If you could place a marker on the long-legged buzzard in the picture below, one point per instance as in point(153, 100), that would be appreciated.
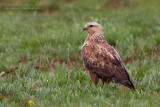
point(101, 61)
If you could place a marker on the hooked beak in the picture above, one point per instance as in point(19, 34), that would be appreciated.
point(85, 28)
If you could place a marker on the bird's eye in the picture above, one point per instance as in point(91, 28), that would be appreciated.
point(91, 26)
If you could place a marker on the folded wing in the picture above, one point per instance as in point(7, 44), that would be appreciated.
point(104, 61)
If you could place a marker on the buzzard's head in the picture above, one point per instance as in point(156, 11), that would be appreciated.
point(93, 28)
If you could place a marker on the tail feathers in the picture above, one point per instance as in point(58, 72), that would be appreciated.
point(123, 79)
point(127, 85)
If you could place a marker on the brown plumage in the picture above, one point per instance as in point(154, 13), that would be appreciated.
point(101, 61)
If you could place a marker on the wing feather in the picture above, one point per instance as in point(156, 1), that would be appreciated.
point(106, 63)
point(121, 75)
point(99, 60)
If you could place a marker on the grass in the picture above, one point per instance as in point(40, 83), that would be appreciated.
point(28, 38)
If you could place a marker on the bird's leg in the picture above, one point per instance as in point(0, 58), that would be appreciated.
point(102, 83)
point(94, 78)
point(108, 82)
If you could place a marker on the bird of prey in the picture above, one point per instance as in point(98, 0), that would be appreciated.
point(101, 61)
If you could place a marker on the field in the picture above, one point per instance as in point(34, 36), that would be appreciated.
point(40, 54)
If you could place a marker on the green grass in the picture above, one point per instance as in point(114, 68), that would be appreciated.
point(134, 31)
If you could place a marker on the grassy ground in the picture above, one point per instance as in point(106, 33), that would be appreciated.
point(31, 41)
